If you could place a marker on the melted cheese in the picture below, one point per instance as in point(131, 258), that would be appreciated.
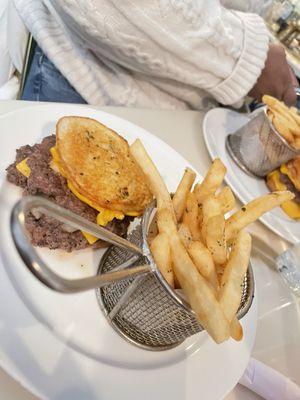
point(290, 207)
point(108, 215)
point(23, 168)
point(90, 238)
point(284, 170)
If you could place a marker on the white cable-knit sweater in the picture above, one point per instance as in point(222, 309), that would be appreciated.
point(159, 53)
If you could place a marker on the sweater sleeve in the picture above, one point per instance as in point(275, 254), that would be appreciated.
point(195, 42)
point(260, 7)
point(202, 44)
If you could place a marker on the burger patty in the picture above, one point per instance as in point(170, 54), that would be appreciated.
point(290, 186)
point(44, 181)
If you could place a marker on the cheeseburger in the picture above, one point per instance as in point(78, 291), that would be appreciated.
point(86, 168)
point(287, 177)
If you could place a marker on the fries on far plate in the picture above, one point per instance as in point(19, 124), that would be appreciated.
point(285, 120)
point(198, 247)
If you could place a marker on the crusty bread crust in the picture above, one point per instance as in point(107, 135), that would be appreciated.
point(98, 163)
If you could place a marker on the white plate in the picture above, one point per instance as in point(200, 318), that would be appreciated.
point(217, 124)
point(61, 346)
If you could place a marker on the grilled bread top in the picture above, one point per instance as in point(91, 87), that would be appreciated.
point(97, 161)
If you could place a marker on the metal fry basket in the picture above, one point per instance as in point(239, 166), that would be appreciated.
point(133, 295)
point(145, 311)
point(258, 148)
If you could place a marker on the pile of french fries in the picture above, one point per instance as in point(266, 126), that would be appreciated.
point(198, 247)
point(285, 120)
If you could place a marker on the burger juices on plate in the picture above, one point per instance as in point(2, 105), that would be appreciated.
point(287, 177)
point(86, 168)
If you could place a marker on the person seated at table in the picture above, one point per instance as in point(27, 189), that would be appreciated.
point(168, 54)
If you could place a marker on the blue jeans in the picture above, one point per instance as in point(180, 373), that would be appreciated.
point(45, 83)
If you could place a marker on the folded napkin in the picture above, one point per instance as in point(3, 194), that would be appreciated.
point(268, 383)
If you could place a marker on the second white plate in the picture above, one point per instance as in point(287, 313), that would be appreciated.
point(217, 124)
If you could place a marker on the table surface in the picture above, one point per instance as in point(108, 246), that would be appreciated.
point(277, 342)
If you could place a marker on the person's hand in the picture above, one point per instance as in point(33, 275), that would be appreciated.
point(277, 78)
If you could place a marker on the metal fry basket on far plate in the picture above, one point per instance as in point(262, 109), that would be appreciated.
point(257, 148)
point(132, 293)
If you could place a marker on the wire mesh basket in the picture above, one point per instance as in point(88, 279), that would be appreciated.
point(144, 312)
point(258, 148)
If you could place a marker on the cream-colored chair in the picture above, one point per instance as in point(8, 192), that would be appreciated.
point(30, 47)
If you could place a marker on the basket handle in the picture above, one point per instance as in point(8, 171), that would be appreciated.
point(41, 270)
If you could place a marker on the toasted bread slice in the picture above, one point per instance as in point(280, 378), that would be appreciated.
point(97, 161)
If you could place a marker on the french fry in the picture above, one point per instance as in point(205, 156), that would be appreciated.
point(185, 235)
point(226, 200)
point(276, 106)
point(156, 183)
point(202, 259)
point(254, 210)
point(210, 207)
point(295, 116)
point(190, 216)
point(216, 239)
point(232, 279)
point(270, 115)
point(152, 231)
point(161, 252)
point(286, 120)
point(180, 196)
point(281, 125)
point(219, 271)
point(204, 262)
point(269, 100)
point(165, 223)
point(211, 182)
point(283, 110)
point(296, 133)
point(200, 294)
point(194, 257)
point(236, 329)
point(297, 143)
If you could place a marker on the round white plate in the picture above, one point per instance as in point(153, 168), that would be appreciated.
point(61, 346)
point(217, 124)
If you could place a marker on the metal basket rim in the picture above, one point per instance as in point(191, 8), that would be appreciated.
point(273, 129)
